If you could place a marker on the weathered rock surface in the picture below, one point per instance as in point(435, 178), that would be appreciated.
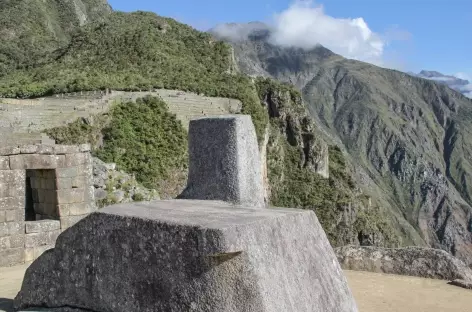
point(412, 261)
point(114, 186)
point(298, 128)
point(190, 256)
point(224, 161)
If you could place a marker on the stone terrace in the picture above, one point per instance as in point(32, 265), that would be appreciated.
point(21, 121)
point(43, 191)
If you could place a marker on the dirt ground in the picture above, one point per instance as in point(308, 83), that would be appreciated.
point(393, 293)
point(373, 292)
point(10, 284)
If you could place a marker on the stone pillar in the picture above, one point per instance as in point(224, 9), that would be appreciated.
point(224, 161)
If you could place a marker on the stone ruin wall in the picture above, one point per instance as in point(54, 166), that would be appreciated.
point(44, 189)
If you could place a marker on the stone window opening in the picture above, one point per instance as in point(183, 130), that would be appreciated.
point(41, 195)
point(44, 190)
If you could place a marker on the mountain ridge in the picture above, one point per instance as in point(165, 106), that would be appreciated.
point(458, 84)
point(380, 117)
point(143, 51)
point(407, 135)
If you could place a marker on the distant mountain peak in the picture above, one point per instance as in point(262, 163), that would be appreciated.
point(453, 82)
point(430, 73)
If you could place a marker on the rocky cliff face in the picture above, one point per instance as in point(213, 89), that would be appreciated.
point(302, 171)
point(284, 106)
point(408, 137)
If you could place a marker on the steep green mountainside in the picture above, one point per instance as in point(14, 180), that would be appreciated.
point(137, 51)
point(140, 51)
point(408, 137)
point(295, 152)
point(29, 29)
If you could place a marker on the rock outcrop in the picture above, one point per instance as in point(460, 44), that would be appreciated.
point(190, 255)
point(301, 171)
point(114, 186)
point(183, 255)
point(284, 104)
point(412, 261)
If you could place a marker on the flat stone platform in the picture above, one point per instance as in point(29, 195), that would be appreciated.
point(202, 213)
point(186, 255)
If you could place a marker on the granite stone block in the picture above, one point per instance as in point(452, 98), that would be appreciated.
point(67, 172)
point(42, 226)
point(64, 183)
point(66, 149)
point(9, 203)
point(64, 210)
point(79, 209)
point(29, 149)
point(18, 241)
point(4, 163)
point(5, 242)
point(9, 150)
point(33, 161)
point(41, 239)
point(11, 189)
point(224, 161)
point(14, 215)
point(75, 159)
point(9, 176)
point(11, 257)
point(79, 182)
point(46, 149)
point(199, 256)
point(70, 196)
point(12, 228)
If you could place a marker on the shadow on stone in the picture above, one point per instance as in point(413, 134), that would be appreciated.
point(6, 305)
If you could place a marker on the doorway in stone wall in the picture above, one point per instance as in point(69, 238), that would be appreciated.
point(41, 195)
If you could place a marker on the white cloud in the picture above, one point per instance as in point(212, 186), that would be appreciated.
point(466, 89)
point(305, 25)
point(463, 76)
point(237, 32)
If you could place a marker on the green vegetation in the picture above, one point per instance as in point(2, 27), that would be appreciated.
point(31, 29)
point(293, 185)
point(145, 139)
point(125, 186)
point(80, 131)
point(141, 137)
point(138, 51)
point(142, 51)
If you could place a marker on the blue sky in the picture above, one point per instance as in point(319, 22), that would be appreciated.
point(409, 35)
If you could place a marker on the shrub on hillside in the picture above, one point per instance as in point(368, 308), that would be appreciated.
point(144, 138)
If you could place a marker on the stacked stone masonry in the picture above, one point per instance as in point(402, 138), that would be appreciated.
point(44, 189)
